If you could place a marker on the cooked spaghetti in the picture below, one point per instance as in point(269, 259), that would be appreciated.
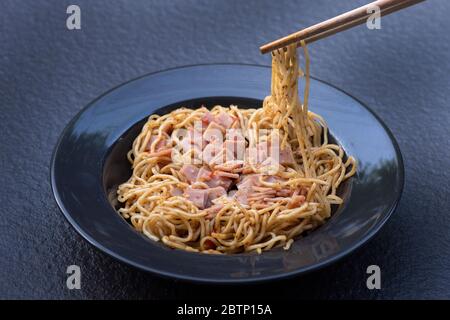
point(273, 177)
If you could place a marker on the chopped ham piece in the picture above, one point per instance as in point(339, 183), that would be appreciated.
point(191, 140)
point(258, 153)
point(196, 136)
point(187, 145)
point(218, 181)
point(190, 172)
point(224, 119)
point(226, 174)
point(247, 181)
point(207, 118)
point(204, 174)
point(214, 132)
point(226, 156)
point(198, 196)
point(235, 135)
point(242, 196)
point(202, 198)
point(245, 187)
point(235, 148)
point(286, 156)
point(263, 150)
point(210, 152)
point(215, 154)
point(215, 193)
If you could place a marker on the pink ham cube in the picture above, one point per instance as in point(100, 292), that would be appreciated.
point(199, 197)
point(190, 172)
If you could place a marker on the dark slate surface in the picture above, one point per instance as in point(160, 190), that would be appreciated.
point(49, 73)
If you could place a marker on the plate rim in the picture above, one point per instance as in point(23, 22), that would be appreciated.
point(258, 279)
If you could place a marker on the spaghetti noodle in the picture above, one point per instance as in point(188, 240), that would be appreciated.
point(202, 201)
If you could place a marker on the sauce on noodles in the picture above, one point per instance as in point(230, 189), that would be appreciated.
point(232, 180)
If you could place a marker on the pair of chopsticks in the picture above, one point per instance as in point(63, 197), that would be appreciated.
point(339, 23)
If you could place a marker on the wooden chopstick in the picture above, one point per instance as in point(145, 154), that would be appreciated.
point(337, 24)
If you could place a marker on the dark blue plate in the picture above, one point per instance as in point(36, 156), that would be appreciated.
point(90, 161)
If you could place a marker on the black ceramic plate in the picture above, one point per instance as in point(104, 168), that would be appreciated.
point(90, 161)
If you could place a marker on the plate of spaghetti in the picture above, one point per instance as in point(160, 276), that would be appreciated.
point(228, 173)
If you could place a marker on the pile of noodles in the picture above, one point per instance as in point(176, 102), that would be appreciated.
point(320, 167)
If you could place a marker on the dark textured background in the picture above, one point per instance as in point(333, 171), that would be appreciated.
point(49, 73)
